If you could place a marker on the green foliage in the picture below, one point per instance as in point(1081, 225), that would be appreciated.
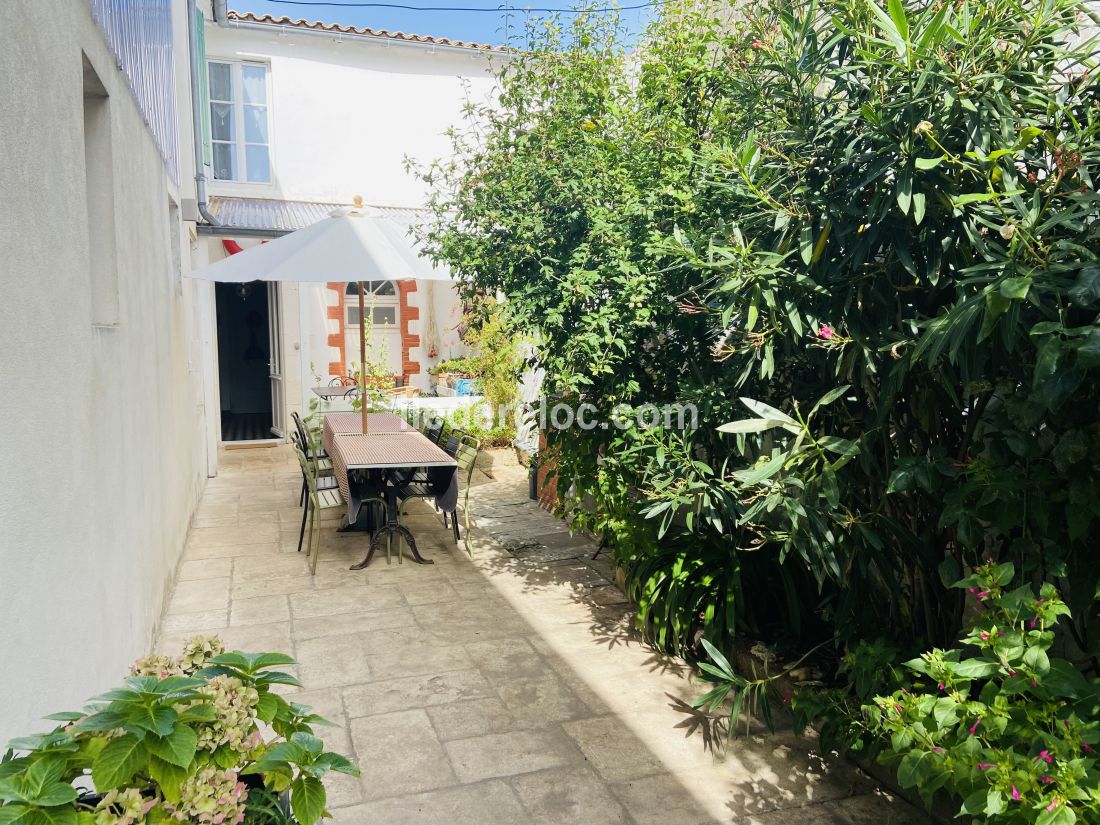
point(170, 744)
point(496, 362)
point(478, 421)
point(465, 366)
point(999, 723)
point(892, 209)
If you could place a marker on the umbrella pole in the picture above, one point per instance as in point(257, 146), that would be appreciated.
point(362, 357)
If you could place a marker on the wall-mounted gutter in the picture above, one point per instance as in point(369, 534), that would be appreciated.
point(196, 112)
point(222, 231)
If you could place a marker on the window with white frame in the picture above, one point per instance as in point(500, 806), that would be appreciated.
point(379, 302)
point(240, 134)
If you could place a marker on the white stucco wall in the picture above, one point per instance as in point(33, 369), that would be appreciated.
point(346, 112)
point(102, 446)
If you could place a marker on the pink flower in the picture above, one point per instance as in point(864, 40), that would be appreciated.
point(1045, 779)
point(1052, 805)
point(985, 637)
point(974, 727)
point(757, 44)
point(1086, 747)
point(1015, 793)
point(984, 766)
point(825, 331)
point(1044, 754)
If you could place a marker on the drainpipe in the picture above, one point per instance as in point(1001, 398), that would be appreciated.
point(196, 112)
point(221, 13)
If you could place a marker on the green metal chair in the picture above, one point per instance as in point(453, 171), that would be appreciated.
point(465, 450)
point(318, 499)
point(466, 456)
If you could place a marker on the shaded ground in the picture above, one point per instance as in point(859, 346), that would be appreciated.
point(499, 690)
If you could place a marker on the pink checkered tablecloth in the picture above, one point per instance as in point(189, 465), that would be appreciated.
point(391, 443)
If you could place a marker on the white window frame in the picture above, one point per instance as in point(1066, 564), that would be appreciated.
point(240, 144)
point(372, 301)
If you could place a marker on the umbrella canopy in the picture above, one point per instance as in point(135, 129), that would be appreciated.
point(349, 245)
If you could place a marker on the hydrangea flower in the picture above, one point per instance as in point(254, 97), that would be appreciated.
point(157, 665)
point(211, 797)
point(124, 806)
point(235, 723)
point(198, 651)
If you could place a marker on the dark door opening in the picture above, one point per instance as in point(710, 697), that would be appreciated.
point(244, 361)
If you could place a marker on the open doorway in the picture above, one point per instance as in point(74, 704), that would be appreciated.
point(245, 362)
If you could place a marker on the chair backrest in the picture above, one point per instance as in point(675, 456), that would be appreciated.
point(300, 427)
point(433, 431)
point(466, 455)
point(309, 471)
point(451, 442)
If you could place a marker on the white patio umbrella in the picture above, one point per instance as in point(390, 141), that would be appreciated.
point(349, 245)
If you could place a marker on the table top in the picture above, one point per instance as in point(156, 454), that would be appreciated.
point(388, 451)
point(379, 423)
point(334, 392)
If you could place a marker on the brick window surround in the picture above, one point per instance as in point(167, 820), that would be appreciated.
point(408, 313)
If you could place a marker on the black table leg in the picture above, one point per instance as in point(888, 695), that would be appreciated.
point(392, 528)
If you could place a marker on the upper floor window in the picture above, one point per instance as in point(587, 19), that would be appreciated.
point(239, 121)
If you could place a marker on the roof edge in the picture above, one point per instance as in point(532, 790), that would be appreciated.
point(319, 26)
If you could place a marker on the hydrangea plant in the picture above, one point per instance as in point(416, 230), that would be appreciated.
point(200, 738)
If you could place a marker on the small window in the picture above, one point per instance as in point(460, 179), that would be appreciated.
point(239, 121)
point(379, 300)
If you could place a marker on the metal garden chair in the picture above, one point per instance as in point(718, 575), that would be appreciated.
point(319, 499)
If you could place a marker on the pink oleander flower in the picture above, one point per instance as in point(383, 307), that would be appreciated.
point(1046, 779)
point(984, 766)
point(1044, 754)
point(825, 331)
point(1052, 806)
point(974, 727)
point(1015, 793)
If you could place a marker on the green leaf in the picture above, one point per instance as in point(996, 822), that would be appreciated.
point(1061, 814)
point(889, 28)
point(307, 799)
point(766, 411)
point(168, 777)
point(1015, 289)
point(925, 164)
point(751, 425)
point(1036, 659)
point(336, 762)
point(178, 747)
point(1086, 290)
point(975, 668)
point(118, 762)
point(1088, 353)
point(897, 15)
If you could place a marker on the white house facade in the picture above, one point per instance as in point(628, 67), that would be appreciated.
point(300, 118)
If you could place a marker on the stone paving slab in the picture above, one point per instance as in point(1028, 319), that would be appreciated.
point(503, 689)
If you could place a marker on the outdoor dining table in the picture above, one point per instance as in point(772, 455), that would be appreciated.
point(390, 445)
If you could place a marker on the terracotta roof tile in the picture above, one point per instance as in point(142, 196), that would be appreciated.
point(249, 17)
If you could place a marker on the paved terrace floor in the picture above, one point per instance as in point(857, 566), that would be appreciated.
point(498, 690)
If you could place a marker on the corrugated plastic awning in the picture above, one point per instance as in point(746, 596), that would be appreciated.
point(270, 217)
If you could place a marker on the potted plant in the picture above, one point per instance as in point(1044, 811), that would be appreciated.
point(200, 738)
